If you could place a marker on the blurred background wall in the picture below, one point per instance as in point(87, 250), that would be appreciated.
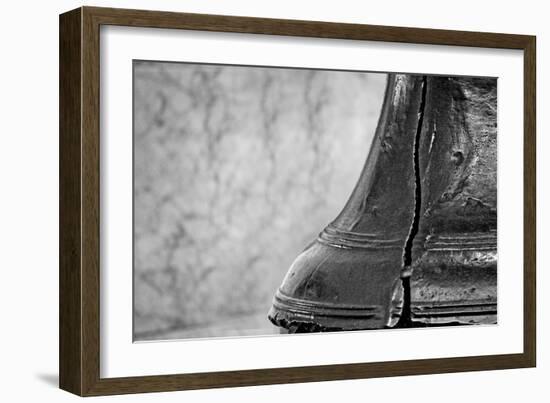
point(236, 170)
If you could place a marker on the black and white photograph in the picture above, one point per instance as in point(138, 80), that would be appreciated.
point(275, 200)
point(248, 202)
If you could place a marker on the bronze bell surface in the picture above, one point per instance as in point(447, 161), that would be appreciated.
point(349, 277)
point(415, 244)
point(454, 258)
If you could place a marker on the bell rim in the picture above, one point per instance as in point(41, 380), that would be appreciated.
point(445, 312)
point(286, 311)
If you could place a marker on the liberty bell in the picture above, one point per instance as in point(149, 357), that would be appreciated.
point(416, 242)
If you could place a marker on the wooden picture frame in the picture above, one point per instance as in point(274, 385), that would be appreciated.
point(79, 348)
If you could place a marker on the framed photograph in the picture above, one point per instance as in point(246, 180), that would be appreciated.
point(249, 201)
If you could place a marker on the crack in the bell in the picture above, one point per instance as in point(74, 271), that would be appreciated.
point(405, 319)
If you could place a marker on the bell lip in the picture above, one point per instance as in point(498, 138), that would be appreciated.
point(461, 312)
point(287, 310)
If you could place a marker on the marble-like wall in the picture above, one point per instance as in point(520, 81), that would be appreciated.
point(236, 170)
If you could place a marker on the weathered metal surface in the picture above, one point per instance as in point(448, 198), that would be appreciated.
point(349, 277)
point(454, 271)
point(423, 211)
